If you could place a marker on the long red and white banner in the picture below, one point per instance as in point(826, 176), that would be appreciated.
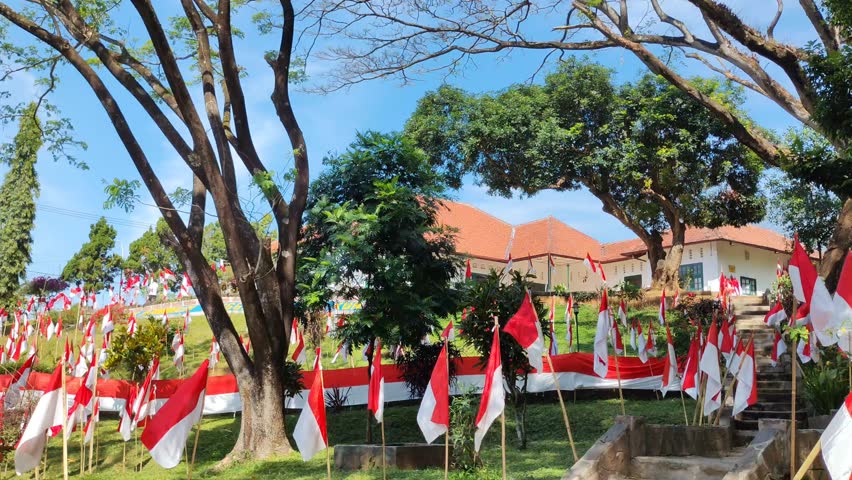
point(574, 371)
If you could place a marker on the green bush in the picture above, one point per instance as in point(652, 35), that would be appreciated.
point(826, 384)
point(417, 364)
point(129, 357)
point(463, 411)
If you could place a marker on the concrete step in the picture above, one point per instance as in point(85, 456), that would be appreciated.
point(742, 301)
point(752, 414)
point(681, 468)
point(752, 423)
point(774, 384)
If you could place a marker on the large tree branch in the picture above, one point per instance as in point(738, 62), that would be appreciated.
point(220, 322)
point(829, 35)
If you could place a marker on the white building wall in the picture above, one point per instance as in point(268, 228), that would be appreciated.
point(746, 261)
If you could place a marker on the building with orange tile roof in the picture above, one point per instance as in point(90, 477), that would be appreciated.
point(750, 253)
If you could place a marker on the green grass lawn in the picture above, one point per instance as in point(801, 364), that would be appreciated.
point(546, 457)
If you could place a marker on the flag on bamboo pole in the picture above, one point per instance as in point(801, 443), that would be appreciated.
point(12, 396)
point(214, 353)
point(310, 433)
point(835, 441)
point(525, 328)
point(468, 273)
point(662, 312)
point(709, 365)
point(131, 325)
point(692, 374)
point(433, 417)
point(89, 429)
point(809, 287)
point(376, 390)
point(48, 413)
point(299, 355)
point(493, 398)
point(449, 332)
point(642, 343)
point(670, 365)
point(589, 263)
point(622, 313)
point(601, 353)
point(745, 394)
point(166, 432)
point(775, 315)
point(779, 347)
point(843, 306)
point(569, 327)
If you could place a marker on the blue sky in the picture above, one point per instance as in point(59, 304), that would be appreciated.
point(329, 123)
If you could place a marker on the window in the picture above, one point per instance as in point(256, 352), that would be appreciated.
point(748, 285)
point(632, 267)
point(689, 252)
point(692, 276)
point(747, 255)
point(701, 252)
point(635, 280)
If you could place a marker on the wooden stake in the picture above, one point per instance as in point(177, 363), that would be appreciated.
point(328, 462)
point(384, 461)
point(124, 459)
point(793, 362)
point(562, 404)
point(618, 376)
point(683, 403)
point(94, 425)
point(503, 440)
point(64, 426)
point(82, 445)
point(447, 433)
point(194, 450)
point(812, 456)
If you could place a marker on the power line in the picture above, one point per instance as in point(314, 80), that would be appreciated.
point(67, 212)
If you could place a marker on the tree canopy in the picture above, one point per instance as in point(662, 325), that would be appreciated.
point(17, 206)
point(95, 264)
point(656, 159)
point(371, 234)
point(805, 209)
point(150, 253)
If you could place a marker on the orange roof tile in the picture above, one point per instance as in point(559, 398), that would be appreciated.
point(483, 235)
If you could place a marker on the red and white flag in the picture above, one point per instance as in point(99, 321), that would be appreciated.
point(843, 306)
point(622, 313)
point(166, 432)
point(468, 273)
point(299, 355)
point(165, 317)
point(809, 288)
point(125, 416)
point(726, 346)
point(779, 347)
point(187, 319)
point(569, 327)
point(214, 353)
point(82, 403)
point(12, 396)
point(48, 413)
point(692, 374)
point(775, 315)
point(676, 298)
point(651, 344)
point(180, 351)
point(642, 343)
point(131, 325)
point(589, 263)
point(617, 343)
point(433, 417)
point(601, 352)
point(670, 365)
point(662, 312)
point(89, 429)
point(185, 286)
point(376, 390)
point(509, 263)
point(745, 394)
point(310, 433)
point(493, 399)
point(526, 329)
point(835, 441)
point(736, 359)
point(167, 275)
point(449, 332)
point(530, 266)
point(710, 365)
point(107, 325)
point(143, 397)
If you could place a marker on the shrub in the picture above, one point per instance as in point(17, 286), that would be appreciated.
point(825, 382)
point(463, 411)
point(336, 398)
point(417, 364)
point(130, 357)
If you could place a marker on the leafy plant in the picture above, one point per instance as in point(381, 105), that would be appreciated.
point(561, 290)
point(463, 411)
point(293, 379)
point(492, 297)
point(42, 285)
point(417, 363)
point(130, 357)
point(336, 398)
point(629, 291)
point(826, 384)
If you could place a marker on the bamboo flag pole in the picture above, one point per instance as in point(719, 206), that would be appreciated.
point(731, 388)
point(503, 440)
point(194, 450)
point(562, 404)
point(806, 465)
point(384, 459)
point(64, 426)
point(94, 425)
point(447, 433)
point(327, 446)
point(793, 363)
point(618, 376)
point(683, 403)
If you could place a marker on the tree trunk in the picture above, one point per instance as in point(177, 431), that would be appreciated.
point(667, 269)
point(262, 427)
point(838, 247)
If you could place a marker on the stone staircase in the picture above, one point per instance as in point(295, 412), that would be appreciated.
point(773, 383)
point(679, 468)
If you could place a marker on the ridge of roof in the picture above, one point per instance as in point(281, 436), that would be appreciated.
point(473, 207)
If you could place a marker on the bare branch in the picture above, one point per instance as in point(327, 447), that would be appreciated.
point(727, 73)
point(770, 31)
point(829, 35)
